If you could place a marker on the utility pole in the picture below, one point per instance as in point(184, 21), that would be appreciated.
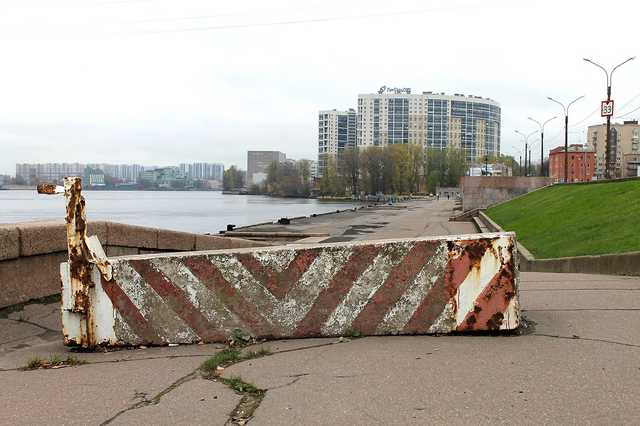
point(542, 172)
point(526, 147)
point(606, 110)
point(566, 132)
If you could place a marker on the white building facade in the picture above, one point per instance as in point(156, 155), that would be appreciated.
point(433, 120)
point(336, 132)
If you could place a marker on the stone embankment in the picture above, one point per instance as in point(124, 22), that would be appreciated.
point(31, 252)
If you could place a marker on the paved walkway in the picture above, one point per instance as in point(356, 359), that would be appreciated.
point(580, 364)
point(405, 220)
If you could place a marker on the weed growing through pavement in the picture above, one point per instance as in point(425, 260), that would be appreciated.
point(240, 338)
point(256, 354)
point(241, 387)
point(54, 361)
point(251, 394)
point(227, 357)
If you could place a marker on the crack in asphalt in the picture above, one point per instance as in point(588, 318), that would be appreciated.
point(591, 339)
point(116, 361)
point(296, 379)
point(155, 400)
point(191, 376)
point(34, 324)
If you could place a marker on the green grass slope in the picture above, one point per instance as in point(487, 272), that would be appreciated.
point(575, 220)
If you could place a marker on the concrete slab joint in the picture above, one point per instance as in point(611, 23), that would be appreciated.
point(386, 287)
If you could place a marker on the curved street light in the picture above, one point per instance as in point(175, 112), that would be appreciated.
point(526, 137)
point(607, 166)
point(566, 131)
point(542, 141)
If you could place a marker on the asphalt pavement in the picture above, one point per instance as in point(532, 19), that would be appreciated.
point(578, 362)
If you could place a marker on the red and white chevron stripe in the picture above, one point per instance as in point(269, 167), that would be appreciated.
point(419, 286)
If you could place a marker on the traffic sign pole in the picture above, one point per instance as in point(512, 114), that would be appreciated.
point(607, 155)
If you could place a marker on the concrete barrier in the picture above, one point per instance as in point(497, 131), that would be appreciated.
point(410, 286)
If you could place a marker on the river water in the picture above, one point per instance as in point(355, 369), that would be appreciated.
point(193, 211)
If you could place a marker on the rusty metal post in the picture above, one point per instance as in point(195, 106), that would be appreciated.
point(82, 257)
point(79, 256)
point(80, 265)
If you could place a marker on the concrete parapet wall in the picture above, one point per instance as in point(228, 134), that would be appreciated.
point(31, 252)
point(409, 286)
point(480, 192)
point(609, 264)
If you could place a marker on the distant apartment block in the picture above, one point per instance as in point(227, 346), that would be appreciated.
point(336, 131)
point(258, 163)
point(624, 148)
point(32, 174)
point(581, 163)
point(203, 171)
point(433, 120)
point(125, 173)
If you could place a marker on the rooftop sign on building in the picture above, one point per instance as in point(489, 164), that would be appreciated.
point(395, 90)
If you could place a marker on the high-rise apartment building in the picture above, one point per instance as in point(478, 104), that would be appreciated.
point(433, 120)
point(624, 148)
point(336, 131)
point(203, 171)
point(258, 163)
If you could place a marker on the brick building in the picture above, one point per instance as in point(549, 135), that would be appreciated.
point(581, 163)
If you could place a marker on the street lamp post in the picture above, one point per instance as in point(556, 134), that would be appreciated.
point(542, 173)
point(519, 162)
point(566, 132)
point(526, 147)
point(607, 166)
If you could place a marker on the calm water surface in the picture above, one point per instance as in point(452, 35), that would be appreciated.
point(198, 212)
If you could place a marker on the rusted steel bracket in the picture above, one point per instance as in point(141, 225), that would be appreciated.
point(84, 252)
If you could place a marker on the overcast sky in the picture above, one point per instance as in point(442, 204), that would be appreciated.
point(166, 81)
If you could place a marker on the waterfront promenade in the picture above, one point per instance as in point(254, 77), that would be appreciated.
point(404, 220)
point(576, 362)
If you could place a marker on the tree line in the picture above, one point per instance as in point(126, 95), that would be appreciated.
point(288, 179)
point(392, 169)
point(395, 169)
point(233, 178)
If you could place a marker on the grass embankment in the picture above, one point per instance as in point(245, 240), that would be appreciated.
point(575, 220)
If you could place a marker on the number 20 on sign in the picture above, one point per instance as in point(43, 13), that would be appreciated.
point(606, 108)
